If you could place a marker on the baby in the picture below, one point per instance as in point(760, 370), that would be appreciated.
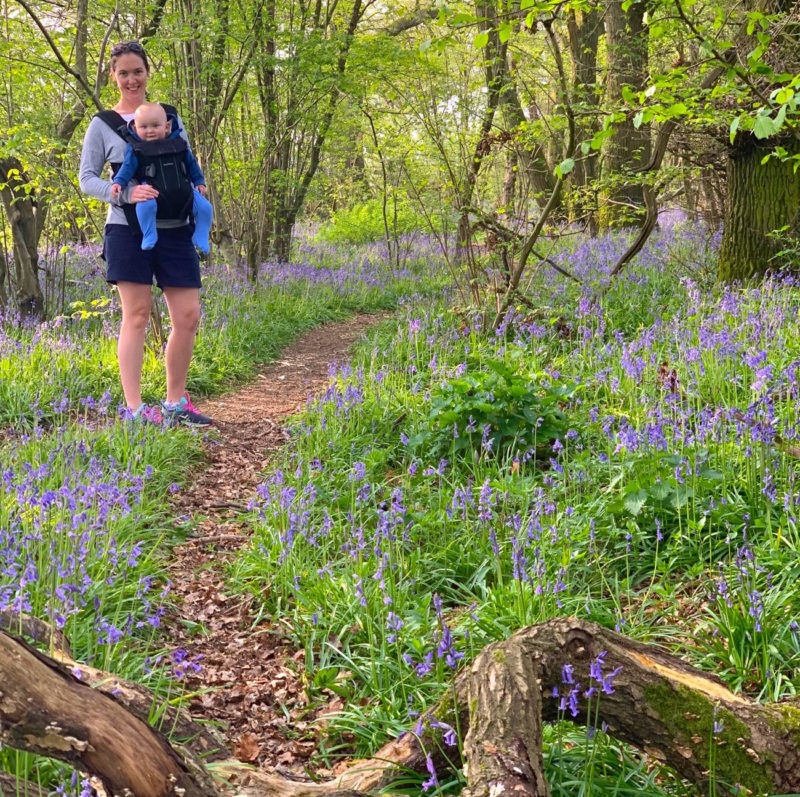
point(159, 156)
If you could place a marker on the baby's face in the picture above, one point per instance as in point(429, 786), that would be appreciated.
point(150, 124)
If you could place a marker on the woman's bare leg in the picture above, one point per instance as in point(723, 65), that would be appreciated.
point(184, 313)
point(135, 300)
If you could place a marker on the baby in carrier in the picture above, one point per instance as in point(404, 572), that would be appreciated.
point(159, 156)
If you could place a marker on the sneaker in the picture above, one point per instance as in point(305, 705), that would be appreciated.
point(145, 414)
point(185, 412)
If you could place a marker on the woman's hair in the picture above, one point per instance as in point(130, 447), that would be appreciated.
point(123, 48)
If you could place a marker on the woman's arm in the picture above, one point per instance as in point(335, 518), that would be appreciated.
point(93, 159)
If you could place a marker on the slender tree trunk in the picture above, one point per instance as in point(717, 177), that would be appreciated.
point(282, 236)
point(297, 197)
point(627, 65)
point(3, 273)
point(21, 213)
point(761, 198)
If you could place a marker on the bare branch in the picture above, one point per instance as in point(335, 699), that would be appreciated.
point(412, 21)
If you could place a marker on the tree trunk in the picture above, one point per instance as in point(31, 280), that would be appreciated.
point(21, 212)
point(627, 65)
point(3, 272)
point(760, 200)
point(282, 239)
point(666, 708)
point(584, 37)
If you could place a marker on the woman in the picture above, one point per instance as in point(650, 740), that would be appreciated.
point(172, 262)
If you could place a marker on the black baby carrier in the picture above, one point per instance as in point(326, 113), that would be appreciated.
point(162, 164)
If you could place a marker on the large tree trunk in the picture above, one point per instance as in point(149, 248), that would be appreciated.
point(584, 37)
point(761, 198)
point(666, 708)
point(627, 65)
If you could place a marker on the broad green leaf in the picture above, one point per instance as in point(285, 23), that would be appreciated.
point(565, 167)
point(462, 18)
point(735, 127)
point(481, 39)
point(660, 490)
point(504, 31)
point(764, 127)
point(635, 502)
point(782, 95)
point(780, 118)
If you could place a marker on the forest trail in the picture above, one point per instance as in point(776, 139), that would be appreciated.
point(249, 679)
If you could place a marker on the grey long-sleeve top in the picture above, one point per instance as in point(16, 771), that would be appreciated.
point(102, 145)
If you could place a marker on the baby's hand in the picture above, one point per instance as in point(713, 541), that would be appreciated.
point(116, 190)
point(201, 189)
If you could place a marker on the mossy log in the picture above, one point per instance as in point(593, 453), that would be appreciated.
point(659, 704)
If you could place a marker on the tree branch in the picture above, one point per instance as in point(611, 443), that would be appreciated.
point(412, 21)
point(81, 79)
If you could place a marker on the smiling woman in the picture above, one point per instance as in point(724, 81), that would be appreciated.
point(172, 260)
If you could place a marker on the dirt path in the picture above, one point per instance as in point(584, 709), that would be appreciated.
point(250, 676)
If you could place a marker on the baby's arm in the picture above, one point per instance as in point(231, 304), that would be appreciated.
point(125, 172)
point(195, 172)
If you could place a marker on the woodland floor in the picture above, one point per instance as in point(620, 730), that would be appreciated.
point(250, 684)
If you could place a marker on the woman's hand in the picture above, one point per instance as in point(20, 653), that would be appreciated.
point(141, 193)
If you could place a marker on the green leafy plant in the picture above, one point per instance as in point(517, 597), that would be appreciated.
point(494, 409)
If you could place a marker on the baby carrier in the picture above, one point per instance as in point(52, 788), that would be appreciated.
point(162, 164)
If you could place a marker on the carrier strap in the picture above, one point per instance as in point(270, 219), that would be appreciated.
point(115, 121)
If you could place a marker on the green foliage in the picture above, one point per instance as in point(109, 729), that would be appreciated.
point(364, 222)
point(493, 407)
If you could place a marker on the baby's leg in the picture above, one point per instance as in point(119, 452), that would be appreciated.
point(203, 216)
point(146, 213)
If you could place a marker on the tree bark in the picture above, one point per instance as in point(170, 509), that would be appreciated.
point(46, 710)
point(666, 708)
point(3, 270)
point(21, 213)
point(503, 748)
point(627, 65)
point(761, 198)
point(584, 37)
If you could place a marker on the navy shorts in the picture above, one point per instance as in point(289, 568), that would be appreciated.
point(173, 261)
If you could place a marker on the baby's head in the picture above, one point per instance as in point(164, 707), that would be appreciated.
point(150, 121)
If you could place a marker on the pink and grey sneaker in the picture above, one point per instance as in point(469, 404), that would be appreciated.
point(184, 412)
point(146, 414)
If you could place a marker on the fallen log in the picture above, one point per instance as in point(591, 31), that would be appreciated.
point(657, 702)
